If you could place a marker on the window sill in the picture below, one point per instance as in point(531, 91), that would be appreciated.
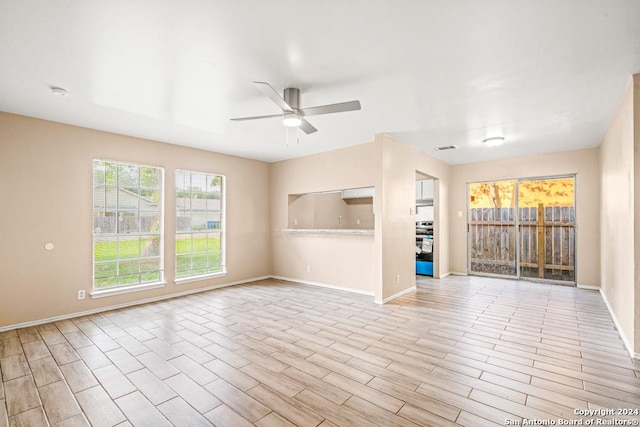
point(126, 289)
point(190, 279)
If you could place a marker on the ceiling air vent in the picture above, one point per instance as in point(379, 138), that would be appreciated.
point(446, 147)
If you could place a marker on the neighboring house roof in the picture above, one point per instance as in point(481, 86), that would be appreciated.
point(106, 197)
point(185, 203)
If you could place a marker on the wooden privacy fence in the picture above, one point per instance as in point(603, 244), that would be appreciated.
point(493, 241)
point(546, 241)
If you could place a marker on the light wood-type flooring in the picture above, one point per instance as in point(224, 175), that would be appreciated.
point(460, 351)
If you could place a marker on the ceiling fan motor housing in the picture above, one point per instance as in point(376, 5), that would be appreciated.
point(292, 97)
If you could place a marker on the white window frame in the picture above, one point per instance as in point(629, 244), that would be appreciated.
point(222, 231)
point(98, 235)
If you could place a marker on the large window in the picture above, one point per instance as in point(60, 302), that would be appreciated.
point(199, 224)
point(127, 224)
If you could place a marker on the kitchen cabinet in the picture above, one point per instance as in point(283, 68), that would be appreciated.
point(424, 189)
point(357, 193)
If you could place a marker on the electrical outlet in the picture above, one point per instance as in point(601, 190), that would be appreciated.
point(358, 221)
point(308, 269)
point(397, 278)
point(81, 294)
point(295, 221)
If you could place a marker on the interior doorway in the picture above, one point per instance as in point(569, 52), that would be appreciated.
point(523, 228)
point(425, 221)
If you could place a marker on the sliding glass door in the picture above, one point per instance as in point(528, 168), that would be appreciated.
point(523, 228)
point(547, 220)
point(492, 228)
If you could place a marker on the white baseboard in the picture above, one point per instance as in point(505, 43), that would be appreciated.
point(458, 273)
point(399, 294)
point(589, 287)
point(127, 304)
point(323, 285)
point(442, 276)
point(626, 342)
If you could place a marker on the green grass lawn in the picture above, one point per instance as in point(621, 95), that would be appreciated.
point(184, 245)
point(124, 262)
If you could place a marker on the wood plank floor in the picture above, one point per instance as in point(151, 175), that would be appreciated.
point(460, 351)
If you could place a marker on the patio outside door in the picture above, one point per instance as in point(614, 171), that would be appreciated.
point(523, 228)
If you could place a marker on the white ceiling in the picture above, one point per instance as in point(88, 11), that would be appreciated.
point(546, 74)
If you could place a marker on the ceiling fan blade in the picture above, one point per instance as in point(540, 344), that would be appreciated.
point(271, 93)
point(238, 119)
point(331, 108)
point(306, 126)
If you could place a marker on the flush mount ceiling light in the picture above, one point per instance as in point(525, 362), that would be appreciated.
point(493, 141)
point(58, 91)
point(291, 120)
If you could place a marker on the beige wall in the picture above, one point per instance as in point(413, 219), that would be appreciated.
point(329, 210)
point(583, 163)
point(361, 263)
point(397, 231)
point(396, 198)
point(301, 214)
point(359, 214)
point(618, 212)
point(46, 188)
point(343, 261)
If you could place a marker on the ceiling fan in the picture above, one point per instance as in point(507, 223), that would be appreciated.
point(294, 116)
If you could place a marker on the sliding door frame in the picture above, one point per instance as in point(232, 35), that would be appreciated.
point(517, 225)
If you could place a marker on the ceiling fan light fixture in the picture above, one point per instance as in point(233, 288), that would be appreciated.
point(494, 141)
point(291, 120)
